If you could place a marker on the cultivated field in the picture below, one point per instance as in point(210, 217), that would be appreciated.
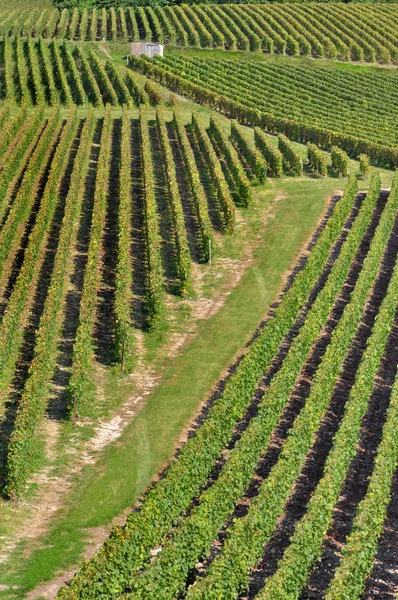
point(311, 103)
point(277, 454)
point(37, 73)
point(198, 301)
point(354, 32)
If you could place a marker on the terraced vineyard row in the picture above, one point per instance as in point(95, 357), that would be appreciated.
point(36, 73)
point(268, 471)
point(356, 111)
point(127, 199)
point(353, 32)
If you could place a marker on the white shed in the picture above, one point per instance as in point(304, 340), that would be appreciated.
point(150, 49)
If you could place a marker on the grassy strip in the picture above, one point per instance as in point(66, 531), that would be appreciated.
point(25, 197)
point(154, 296)
point(183, 254)
point(294, 568)
point(233, 161)
point(249, 151)
point(83, 347)
point(196, 187)
point(166, 575)
point(229, 573)
point(23, 441)
point(126, 550)
point(10, 330)
point(124, 273)
point(223, 193)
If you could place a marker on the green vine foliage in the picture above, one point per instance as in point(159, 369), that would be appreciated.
point(127, 550)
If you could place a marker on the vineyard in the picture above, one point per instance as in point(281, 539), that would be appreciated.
point(292, 438)
point(198, 300)
point(349, 33)
point(37, 73)
point(319, 105)
point(182, 194)
point(186, 182)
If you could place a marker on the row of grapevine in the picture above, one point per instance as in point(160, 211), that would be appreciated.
point(272, 155)
point(123, 282)
point(251, 153)
point(196, 188)
point(154, 301)
point(223, 192)
point(108, 93)
point(72, 70)
point(340, 161)
point(364, 165)
point(53, 74)
point(232, 159)
point(267, 156)
point(93, 90)
point(271, 96)
point(129, 548)
point(83, 347)
point(183, 254)
point(60, 77)
point(291, 157)
point(316, 159)
point(48, 75)
point(268, 28)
